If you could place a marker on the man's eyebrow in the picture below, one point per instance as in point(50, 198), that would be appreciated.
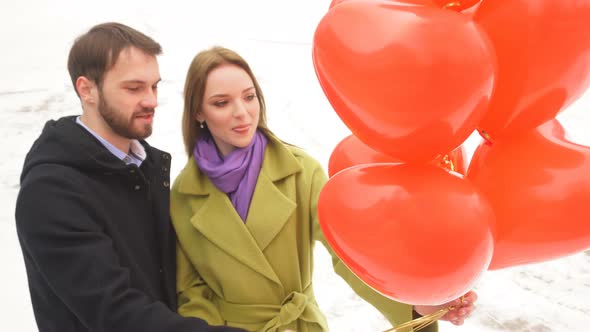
point(139, 81)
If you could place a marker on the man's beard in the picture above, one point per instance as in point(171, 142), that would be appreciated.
point(121, 125)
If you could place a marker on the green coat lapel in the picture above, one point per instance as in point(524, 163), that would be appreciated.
point(271, 206)
point(219, 222)
point(269, 211)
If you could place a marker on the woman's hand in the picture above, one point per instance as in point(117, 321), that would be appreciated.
point(460, 308)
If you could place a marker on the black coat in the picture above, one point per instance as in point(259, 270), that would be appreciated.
point(96, 237)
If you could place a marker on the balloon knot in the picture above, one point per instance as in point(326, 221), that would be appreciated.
point(450, 5)
point(486, 137)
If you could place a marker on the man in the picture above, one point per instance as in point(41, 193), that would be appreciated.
point(92, 212)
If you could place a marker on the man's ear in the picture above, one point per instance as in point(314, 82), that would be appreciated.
point(86, 89)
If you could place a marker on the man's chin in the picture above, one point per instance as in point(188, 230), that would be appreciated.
point(142, 133)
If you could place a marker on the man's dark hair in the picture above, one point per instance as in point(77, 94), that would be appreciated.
point(97, 51)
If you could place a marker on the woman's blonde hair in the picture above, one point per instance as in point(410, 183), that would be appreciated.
point(194, 89)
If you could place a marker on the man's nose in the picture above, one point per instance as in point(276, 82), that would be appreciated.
point(150, 100)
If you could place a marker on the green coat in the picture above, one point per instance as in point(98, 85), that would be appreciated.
point(258, 275)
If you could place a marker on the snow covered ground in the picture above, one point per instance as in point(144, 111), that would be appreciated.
point(275, 37)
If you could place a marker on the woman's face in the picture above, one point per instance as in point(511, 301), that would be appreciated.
point(230, 107)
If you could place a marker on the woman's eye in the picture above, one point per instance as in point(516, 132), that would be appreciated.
point(250, 97)
point(220, 103)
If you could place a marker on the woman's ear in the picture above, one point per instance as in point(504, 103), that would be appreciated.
point(199, 117)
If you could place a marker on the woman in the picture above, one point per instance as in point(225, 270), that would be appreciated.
point(245, 211)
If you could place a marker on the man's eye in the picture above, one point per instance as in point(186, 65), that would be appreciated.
point(133, 89)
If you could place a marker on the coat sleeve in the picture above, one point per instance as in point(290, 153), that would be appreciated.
point(395, 312)
point(194, 295)
point(60, 235)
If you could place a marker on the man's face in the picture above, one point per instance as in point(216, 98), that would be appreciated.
point(128, 96)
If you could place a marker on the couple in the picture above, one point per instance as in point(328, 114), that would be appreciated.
point(109, 247)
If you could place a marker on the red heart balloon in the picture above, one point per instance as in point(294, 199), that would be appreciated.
point(543, 51)
point(410, 81)
point(415, 233)
point(539, 188)
point(352, 152)
point(446, 4)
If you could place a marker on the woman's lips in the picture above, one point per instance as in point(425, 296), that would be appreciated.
point(241, 129)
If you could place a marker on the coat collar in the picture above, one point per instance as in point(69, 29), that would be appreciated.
point(270, 209)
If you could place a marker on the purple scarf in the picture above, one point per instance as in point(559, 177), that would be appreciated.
point(237, 173)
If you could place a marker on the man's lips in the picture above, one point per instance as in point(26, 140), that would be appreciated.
point(146, 116)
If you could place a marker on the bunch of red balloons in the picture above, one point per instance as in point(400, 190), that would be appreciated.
point(412, 79)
